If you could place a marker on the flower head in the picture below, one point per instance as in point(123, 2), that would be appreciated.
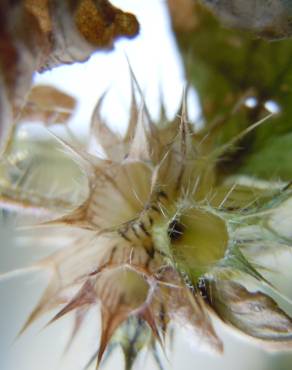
point(158, 238)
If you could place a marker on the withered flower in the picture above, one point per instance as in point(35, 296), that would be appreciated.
point(158, 239)
point(37, 35)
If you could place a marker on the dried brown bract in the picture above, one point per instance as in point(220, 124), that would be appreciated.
point(48, 105)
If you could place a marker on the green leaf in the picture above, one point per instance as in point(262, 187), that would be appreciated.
point(271, 160)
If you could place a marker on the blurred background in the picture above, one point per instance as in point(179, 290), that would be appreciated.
point(158, 67)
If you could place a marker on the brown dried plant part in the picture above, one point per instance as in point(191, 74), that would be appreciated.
point(38, 35)
point(183, 15)
point(269, 19)
point(48, 105)
point(77, 28)
point(23, 49)
point(253, 313)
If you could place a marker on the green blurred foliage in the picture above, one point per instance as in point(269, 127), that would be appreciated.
point(227, 66)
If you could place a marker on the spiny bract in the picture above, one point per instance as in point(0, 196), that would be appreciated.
point(158, 238)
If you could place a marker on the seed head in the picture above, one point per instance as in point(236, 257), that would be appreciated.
point(158, 239)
